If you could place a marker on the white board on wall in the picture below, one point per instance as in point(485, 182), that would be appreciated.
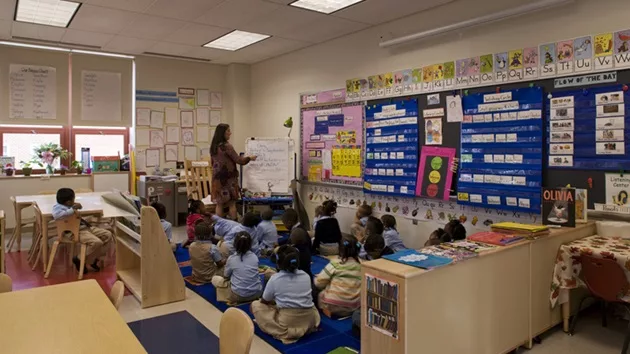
point(273, 168)
point(33, 92)
point(101, 96)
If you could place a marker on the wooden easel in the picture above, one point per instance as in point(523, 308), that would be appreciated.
point(198, 178)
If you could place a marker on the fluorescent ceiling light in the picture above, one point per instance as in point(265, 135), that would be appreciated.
point(103, 54)
point(33, 46)
point(324, 6)
point(56, 13)
point(236, 40)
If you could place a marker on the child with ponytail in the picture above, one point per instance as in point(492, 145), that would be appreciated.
point(286, 310)
point(196, 213)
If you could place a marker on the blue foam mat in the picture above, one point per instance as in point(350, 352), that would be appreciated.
point(332, 334)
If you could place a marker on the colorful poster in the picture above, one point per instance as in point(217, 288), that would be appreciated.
point(486, 64)
point(500, 61)
point(433, 131)
point(346, 137)
point(416, 75)
point(548, 53)
point(427, 73)
point(449, 70)
point(564, 51)
point(621, 42)
point(346, 161)
point(516, 59)
point(603, 44)
point(583, 48)
point(434, 172)
point(315, 172)
point(530, 57)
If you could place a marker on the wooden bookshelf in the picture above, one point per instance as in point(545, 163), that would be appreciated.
point(146, 264)
point(382, 305)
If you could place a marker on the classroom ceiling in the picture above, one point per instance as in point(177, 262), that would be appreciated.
point(182, 27)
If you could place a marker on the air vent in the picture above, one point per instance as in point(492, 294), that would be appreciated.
point(178, 57)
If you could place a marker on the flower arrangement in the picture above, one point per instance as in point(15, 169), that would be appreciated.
point(48, 153)
point(63, 169)
point(8, 169)
point(77, 166)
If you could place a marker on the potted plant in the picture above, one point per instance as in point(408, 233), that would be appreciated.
point(8, 169)
point(48, 153)
point(78, 167)
point(63, 169)
point(27, 168)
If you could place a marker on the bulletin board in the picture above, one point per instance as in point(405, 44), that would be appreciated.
point(332, 143)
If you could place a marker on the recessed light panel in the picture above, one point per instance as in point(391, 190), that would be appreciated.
point(236, 40)
point(56, 13)
point(324, 6)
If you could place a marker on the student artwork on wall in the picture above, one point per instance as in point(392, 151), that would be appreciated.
point(172, 134)
point(587, 129)
point(203, 116)
point(143, 117)
point(172, 152)
point(157, 119)
point(186, 102)
point(434, 172)
point(391, 154)
point(157, 139)
point(187, 119)
point(332, 138)
point(188, 136)
point(501, 150)
point(172, 115)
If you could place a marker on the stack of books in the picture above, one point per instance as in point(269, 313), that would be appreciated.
point(528, 231)
point(496, 238)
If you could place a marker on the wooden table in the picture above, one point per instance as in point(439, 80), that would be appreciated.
point(93, 204)
point(72, 318)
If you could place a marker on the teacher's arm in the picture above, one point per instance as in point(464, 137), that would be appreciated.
point(239, 160)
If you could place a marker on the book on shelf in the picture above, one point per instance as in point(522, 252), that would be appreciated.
point(496, 238)
point(558, 206)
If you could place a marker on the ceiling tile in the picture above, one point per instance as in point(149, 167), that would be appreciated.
point(128, 5)
point(323, 29)
point(182, 9)
point(152, 27)
point(102, 20)
point(41, 32)
point(266, 49)
point(169, 48)
point(379, 11)
point(205, 53)
point(5, 29)
point(129, 45)
point(73, 36)
point(7, 9)
point(283, 20)
point(234, 13)
point(196, 35)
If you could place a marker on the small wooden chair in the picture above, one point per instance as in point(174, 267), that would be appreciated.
point(68, 224)
point(16, 237)
point(236, 332)
point(117, 293)
point(198, 178)
point(6, 284)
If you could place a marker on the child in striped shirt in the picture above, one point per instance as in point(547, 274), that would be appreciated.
point(341, 281)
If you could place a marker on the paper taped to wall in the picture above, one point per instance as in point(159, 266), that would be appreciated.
point(270, 171)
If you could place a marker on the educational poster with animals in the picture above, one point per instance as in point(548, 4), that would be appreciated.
point(332, 141)
point(589, 53)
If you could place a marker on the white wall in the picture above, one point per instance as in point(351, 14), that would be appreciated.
point(276, 83)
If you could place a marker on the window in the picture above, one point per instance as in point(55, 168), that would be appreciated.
point(102, 141)
point(20, 142)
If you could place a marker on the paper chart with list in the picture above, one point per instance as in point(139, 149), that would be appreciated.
point(32, 92)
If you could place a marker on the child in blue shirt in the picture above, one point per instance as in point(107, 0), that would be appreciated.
point(391, 235)
point(228, 229)
point(286, 310)
point(168, 228)
point(241, 278)
point(268, 232)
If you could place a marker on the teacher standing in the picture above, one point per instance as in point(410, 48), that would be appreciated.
point(225, 187)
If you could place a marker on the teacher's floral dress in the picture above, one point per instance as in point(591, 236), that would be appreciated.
point(225, 186)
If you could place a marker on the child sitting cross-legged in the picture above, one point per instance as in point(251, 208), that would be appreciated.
point(327, 231)
point(168, 228)
point(240, 282)
point(341, 281)
point(286, 310)
point(390, 234)
point(205, 257)
point(268, 232)
point(374, 246)
point(228, 229)
point(360, 220)
point(196, 213)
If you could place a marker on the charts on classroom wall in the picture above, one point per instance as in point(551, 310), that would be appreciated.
point(587, 129)
point(332, 138)
point(501, 150)
point(584, 54)
point(391, 158)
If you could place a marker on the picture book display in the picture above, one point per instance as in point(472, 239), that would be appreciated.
point(617, 194)
point(332, 144)
point(501, 150)
point(443, 250)
point(391, 154)
point(435, 175)
point(559, 206)
point(603, 52)
point(418, 259)
point(382, 305)
point(496, 238)
point(587, 129)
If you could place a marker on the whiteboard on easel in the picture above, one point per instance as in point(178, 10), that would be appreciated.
point(273, 170)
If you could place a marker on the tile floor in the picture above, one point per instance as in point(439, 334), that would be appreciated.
point(590, 337)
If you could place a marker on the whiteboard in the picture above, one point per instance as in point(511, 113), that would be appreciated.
point(33, 92)
point(273, 170)
point(101, 96)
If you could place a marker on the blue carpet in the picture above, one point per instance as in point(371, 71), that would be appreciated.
point(332, 334)
point(177, 332)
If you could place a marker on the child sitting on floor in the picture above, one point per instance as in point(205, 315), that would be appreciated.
point(438, 236)
point(319, 212)
point(196, 213)
point(241, 281)
point(327, 231)
point(228, 229)
point(168, 228)
point(456, 230)
point(268, 232)
point(391, 235)
point(205, 257)
point(360, 219)
point(96, 239)
point(286, 310)
point(341, 281)
point(374, 246)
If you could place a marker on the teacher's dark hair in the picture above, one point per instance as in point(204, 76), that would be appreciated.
point(219, 138)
